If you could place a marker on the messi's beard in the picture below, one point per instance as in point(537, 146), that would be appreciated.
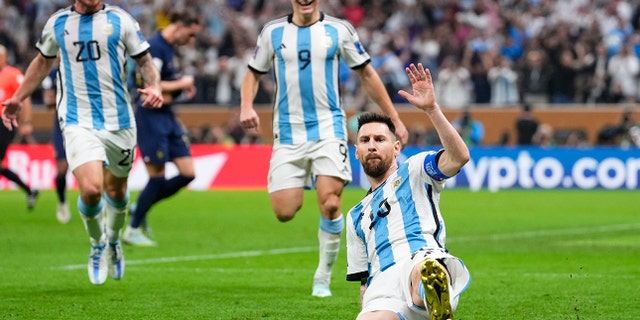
point(375, 169)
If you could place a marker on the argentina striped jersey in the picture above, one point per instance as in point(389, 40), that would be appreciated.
point(93, 54)
point(305, 62)
point(397, 219)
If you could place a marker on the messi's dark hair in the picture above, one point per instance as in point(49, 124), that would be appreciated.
point(369, 117)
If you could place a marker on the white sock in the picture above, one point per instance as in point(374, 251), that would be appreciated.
point(115, 221)
point(329, 248)
point(93, 226)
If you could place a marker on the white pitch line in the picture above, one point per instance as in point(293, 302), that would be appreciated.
point(548, 232)
point(230, 255)
point(489, 237)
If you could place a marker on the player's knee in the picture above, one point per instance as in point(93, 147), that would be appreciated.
point(91, 194)
point(331, 206)
point(116, 194)
point(285, 213)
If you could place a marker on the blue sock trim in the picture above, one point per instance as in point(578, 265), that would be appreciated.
point(117, 204)
point(332, 226)
point(421, 290)
point(90, 211)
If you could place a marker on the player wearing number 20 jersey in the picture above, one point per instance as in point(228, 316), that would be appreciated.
point(93, 65)
point(93, 41)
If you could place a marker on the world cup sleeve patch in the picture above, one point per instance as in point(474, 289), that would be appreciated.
point(359, 47)
point(141, 36)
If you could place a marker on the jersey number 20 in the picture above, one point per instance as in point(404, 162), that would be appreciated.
point(89, 50)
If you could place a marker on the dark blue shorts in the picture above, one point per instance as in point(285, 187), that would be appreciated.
point(6, 137)
point(161, 136)
point(56, 140)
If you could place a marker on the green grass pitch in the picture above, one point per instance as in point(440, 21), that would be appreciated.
point(223, 255)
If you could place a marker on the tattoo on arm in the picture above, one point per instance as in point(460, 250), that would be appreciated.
point(150, 74)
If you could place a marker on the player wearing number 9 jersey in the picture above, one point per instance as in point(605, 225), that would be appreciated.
point(95, 114)
point(309, 124)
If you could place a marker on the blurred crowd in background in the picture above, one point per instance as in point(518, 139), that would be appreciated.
point(495, 53)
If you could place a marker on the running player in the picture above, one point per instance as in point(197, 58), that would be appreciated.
point(161, 137)
point(309, 123)
point(10, 79)
point(93, 40)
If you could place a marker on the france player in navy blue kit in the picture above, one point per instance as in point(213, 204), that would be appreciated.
point(396, 234)
point(161, 137)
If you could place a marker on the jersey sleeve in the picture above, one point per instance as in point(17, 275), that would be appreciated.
point(429, 171)
point(351, 49)
point(133, 38)
point(47, 44)
point(263, 53)
point(357, 265)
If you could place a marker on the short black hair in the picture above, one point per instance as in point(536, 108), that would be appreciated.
point(369, 117)
point(185, 16)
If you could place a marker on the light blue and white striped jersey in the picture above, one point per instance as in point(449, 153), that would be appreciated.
point(93, 54)
point(395, 220)
point(305, 61)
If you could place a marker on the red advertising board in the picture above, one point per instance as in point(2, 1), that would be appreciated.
point(216, 167)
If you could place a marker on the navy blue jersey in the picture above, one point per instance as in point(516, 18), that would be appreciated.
point(161, 136)
point(165, 59)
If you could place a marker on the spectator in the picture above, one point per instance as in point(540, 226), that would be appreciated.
point(526, 126)
point(354, 12)
point(478, 63)
point(426, 49)
point(598, 79)
point(471, 130)
point(562, 84)
point(629, 130)
point(543, 136)
point(504, 83)
point(391, 70)
point(453, 84)
point(623, 69)
point(534, 78)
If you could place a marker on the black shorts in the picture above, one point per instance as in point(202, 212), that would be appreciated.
point(6, 137)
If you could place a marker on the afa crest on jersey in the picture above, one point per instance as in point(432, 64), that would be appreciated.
point(107, 30)
point(327, 41)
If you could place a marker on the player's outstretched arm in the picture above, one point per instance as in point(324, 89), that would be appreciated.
point(456, 153)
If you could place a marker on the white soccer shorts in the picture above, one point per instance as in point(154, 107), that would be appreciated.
point(390, 290)
point(294, 166)
point(115, 148)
